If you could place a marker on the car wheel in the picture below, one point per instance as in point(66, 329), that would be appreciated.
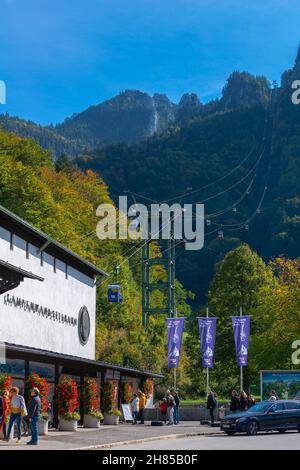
point(230, 433)
point(252, 428)
point(281, 431)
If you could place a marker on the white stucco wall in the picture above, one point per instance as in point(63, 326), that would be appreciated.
point(66, 296)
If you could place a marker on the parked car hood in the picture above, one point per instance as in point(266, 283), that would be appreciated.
point(242, 414)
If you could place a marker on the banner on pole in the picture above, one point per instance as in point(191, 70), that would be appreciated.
point(174, 335)
point(241, 332)
point(207, 333)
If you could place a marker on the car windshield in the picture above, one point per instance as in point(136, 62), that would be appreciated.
point(260, 407)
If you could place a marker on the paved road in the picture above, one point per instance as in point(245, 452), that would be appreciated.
point(264, 441)
point(106, 435)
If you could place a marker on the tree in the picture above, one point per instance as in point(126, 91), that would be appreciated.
point(237, 283)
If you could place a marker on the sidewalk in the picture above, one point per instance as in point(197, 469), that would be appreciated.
point(106, 436)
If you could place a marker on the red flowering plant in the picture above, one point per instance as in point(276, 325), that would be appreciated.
point(5, 383)
point(5, 386)
point(109, 397)
point(147, 387)
point(67, 399)
point(35, 380)
point(126, 392)
point(90, 398)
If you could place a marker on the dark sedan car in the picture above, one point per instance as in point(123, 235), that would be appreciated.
point(278, 415)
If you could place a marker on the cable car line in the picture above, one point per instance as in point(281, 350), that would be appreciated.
point(208, 185)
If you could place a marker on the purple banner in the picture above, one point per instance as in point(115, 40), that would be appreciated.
point(174, 332)
point(241, 332)
point(207, 332)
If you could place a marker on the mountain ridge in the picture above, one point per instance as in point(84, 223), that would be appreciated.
point(133, 116)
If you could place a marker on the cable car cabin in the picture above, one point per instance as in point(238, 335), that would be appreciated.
point(114, 293)
point(220, 235)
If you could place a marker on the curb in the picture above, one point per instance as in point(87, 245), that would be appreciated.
point(146, 439)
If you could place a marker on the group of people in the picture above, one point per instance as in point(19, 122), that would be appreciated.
point(12, 404)
point(169, 407)
point(241, 402)
point(238, 402)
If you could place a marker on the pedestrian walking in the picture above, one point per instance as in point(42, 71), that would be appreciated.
point(234, 402)
point(163, 409)
point(34, 411)
point(171, 406)
point(3, 412)
point(135, 408)
point(243, 401)
point(18, 410)
point(142, 404)
point(176, 408)
point(211, 405)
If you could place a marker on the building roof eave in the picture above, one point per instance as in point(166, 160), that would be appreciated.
point(49, 241)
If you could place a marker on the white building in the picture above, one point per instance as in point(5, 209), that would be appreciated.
point(48, 308)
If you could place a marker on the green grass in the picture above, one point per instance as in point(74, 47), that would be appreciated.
point(202, 401)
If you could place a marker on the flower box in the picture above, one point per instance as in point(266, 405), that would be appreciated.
point(43, 427)
point(111, 419)
point(91, 421)
point(67, 425)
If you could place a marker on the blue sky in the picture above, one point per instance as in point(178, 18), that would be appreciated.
point(58, 57)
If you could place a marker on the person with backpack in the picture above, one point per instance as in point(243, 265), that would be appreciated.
point(3, 412)
point(211, 405)
point(18, 410)
point(171, 406)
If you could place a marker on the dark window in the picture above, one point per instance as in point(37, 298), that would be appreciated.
point(292, 405)
point(54, 265)
point(11, 241)
point(66, 272)
point(27, 250)
point(42, 258)
point(279, 406)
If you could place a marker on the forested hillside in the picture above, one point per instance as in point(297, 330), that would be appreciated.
point(241, 158)
point(62, 202)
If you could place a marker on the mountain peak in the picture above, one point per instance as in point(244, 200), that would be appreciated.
point(189, 107)
point(244, 90)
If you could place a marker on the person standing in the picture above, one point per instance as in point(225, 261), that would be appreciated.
point(163, 409)
point(176, 408)
point(3, 412)
point(171, 407)
point(34, 411)
point(135, 408)
point(211, 405)
point(142, 405)
point(273, 396)
point(18, 409)
point(234, 402)
point(243, 402)
point(251, 401)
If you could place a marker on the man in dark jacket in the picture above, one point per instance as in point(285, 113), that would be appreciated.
point(34, 411)
point(234, 402)
point(211, 405)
